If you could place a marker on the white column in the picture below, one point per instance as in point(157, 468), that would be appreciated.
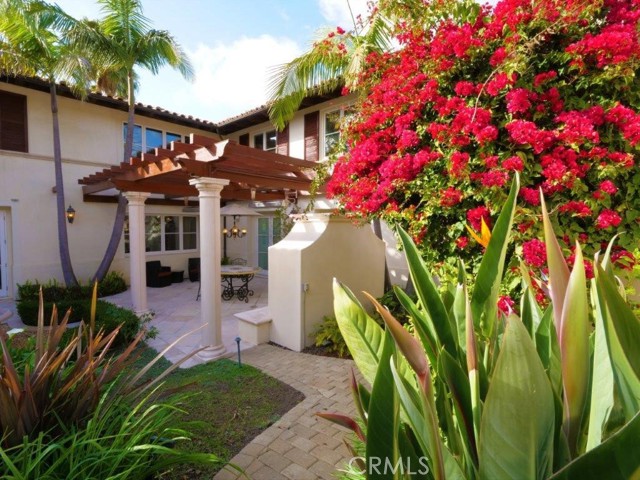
point(210, 238)
point(137, 256)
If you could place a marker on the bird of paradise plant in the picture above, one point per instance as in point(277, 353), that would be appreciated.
point(551, 394)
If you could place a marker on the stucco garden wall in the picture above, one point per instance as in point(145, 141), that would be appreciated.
point(301, 271)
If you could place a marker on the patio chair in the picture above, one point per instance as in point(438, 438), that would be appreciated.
point(238, 261)
point(157, 275)
point(194, 269)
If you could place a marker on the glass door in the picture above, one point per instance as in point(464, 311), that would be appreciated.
point(4, 261)
point(269, 233)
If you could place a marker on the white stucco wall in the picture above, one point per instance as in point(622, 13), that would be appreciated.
point(302, 268)
point(91, 140)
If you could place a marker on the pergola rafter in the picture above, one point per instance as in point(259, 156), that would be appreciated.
point(253, 174)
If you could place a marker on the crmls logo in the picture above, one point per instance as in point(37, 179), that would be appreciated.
point(385, 465)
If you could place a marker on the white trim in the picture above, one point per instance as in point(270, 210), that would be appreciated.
point(323, 122)
point(4, 256)
point(264, 138)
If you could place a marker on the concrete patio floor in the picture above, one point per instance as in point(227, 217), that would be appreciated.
point(177, 312)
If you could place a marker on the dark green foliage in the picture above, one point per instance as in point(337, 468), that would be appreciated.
point(52, 291)
point(328, 335)
point(108, 316)
point(112, 283)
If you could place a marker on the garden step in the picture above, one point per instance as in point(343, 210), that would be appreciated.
point(254, 325)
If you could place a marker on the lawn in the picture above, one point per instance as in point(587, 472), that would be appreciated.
point(228, 404)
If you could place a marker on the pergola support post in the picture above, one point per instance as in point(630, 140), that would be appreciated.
point(137, 255)
point(210, 239)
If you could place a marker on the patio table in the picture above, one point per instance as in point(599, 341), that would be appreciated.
point(242, 274)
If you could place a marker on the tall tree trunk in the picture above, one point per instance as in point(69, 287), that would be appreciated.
point(377, 229)
point(118, 223)
point(63, 238)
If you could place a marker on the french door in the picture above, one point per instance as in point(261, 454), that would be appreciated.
point(269, 232)
point(4, 260)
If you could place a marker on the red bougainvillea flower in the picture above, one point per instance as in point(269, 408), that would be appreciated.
point(534, 253)
point(578, 208)
point(505, 305)
point(462, 242)
point(609, 187)
point(450, 197)
point(608, 219)
point(475, 216)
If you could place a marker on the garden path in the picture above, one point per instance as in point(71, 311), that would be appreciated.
point(299, 446)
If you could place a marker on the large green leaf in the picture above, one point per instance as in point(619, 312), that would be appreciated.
point(518, 418)
point(602, 399)
point(422, 324)
point(624, 321)
point(574, 348)
point(383, 420)
point(361, 333)
point(458, 384)
point(484, 301)
point(421, 414)
point(558, 270)
point(428, 294)
point(626, 380)
point(616, 459)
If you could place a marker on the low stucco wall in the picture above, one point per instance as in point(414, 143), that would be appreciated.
point(302, 268)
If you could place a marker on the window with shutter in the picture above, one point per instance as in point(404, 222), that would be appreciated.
point(13, 122)
point(311, 124)
point(282, 141)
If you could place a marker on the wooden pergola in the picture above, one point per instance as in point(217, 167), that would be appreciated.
point(253, 174)
point(212, 170)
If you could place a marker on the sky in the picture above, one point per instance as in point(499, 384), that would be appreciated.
point(232, 45)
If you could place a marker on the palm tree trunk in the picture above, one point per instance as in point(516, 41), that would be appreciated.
point(118, 223)
point(377, 229)
point(63, 238)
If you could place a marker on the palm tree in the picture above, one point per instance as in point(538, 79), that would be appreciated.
point(120, 41)
point(31, 44)
point(333, 61)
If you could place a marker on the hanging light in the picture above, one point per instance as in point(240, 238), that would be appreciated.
point(235, 231)
point(71, 214)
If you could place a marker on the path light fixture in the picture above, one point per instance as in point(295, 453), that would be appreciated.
point(71, 214)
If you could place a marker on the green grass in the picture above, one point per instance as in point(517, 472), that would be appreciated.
point(229, 405)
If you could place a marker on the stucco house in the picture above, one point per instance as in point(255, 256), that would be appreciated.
point(92, 136)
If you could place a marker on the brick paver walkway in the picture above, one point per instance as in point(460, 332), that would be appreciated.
point(300, 445)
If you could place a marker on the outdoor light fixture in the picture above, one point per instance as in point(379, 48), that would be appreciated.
point(71, 214)
point(235, 231)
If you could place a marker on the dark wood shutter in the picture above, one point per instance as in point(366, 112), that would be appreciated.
point(244, 139)
point(311, 130)
point(13, 122)
point(282, 141)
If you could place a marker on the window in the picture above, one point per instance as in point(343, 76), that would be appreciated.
point(269, 233)
point(13, 122)
point(167, 233)
point(147, 139)
point(153, 139)
point(266, 141)
point(332, 122)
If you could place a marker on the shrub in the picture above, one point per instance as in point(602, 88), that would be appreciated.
point(328, 335)
point(73, 412)
point(473, 94)
point(112, 283)
point(483, 393)
point(108, 316)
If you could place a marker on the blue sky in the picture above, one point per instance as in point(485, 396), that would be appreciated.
point(232, 44)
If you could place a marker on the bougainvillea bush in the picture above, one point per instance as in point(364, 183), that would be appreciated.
point(546, 88)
